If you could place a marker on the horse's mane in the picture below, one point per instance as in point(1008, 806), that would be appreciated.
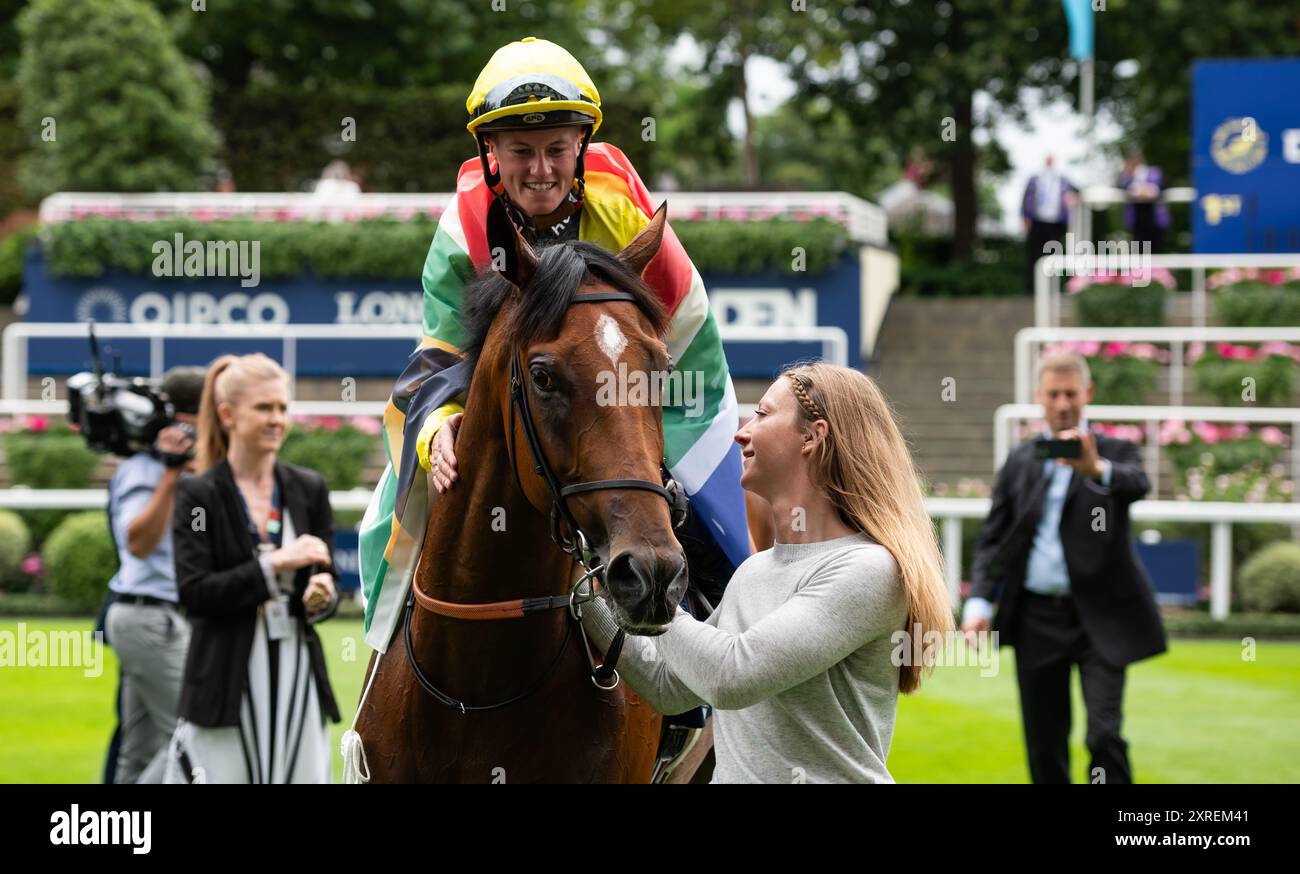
point(561, 270)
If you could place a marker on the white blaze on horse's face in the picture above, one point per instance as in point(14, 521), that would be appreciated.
point(609, 336)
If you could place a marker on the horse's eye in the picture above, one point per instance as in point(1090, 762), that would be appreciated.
point(542, 379)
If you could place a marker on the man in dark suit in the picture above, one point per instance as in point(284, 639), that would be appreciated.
point(1072, 591)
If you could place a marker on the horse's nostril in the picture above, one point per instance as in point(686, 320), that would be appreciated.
point(627, 581)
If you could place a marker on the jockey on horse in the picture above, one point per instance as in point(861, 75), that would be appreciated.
point(533, 111)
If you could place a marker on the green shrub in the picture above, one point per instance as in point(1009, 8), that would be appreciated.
point(80, 558)
point(1225, 456)
point(1269, 581)
point(51, 459)
point(15, 543)
point(338, 454)
point(11, 263)
point(1123, 380)
point(1121, 306)
point(41, 524)
point(1274, 379)
point(1258, 304)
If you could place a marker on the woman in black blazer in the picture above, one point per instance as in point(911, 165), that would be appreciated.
point(254, 545)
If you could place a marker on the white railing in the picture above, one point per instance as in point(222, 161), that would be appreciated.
point(1219, 515)
point(13, 385)
point(1029, 343)
point(865, 221)
point(1008, 414)
point(1050, 270)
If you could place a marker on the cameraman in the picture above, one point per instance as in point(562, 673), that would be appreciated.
point(149, 634)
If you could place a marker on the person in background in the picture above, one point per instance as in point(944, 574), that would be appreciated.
point(148, 632)
point(1045, 211)
point(1145, 215)
point(254, 551)
point(1056, 555)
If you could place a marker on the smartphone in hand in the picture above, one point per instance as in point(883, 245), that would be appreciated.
point(1044, 449)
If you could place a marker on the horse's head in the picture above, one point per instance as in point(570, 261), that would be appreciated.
point(586, 369)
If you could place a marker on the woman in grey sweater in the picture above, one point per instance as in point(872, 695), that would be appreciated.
point(798, 658)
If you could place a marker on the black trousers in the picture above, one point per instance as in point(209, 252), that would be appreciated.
point(1049, 641)
point(1040, 234)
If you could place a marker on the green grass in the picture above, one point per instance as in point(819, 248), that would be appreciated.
point(1198, 714)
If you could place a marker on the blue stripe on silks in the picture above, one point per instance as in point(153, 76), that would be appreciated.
point(423, 363)
point(436, 390)
point(721, 501)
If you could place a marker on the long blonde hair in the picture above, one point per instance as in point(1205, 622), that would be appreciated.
point(228, 377)
point(867, 472)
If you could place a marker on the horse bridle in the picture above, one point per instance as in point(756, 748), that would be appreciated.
point(575, 544)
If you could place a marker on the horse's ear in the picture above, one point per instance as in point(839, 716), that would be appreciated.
point(638, 253)
point(510, 254)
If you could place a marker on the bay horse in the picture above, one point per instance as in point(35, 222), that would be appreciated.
point(517, 698)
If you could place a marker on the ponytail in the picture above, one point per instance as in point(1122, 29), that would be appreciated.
point(213, 443)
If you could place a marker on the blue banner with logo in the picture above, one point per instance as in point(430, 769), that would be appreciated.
point(771, 301)
point(1246, 156)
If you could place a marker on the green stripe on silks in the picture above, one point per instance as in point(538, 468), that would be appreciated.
point(447, 270)
point(704, 355)
point(373, 540)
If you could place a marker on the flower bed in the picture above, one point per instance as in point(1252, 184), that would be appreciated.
point(1121, 300)
point(1241, 374)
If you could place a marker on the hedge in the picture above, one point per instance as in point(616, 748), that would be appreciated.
point(80, 558)
point(1269, 581)
point(394, 249)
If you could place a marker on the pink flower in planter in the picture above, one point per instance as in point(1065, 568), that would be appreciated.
point(1237, 431)
point(366, 425)
point(1272, 435)
point(329, 423)
point(1194, 352)
point(1113, 350)
point(1278, 347)
point(1088, 348)
point(1206, 432)
point(32, 565)
point(1171, 430)
point(38, 424)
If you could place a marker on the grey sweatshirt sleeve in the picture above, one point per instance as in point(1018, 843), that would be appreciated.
point(848, 601)
point(641, 664)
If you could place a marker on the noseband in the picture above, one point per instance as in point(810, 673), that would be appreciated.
point(575, 543)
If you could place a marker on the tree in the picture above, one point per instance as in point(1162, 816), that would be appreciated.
point(909, 70)
point(107, 101)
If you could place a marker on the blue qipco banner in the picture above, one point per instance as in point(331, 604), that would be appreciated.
point(774, 301)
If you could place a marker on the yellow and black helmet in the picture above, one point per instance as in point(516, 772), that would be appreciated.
point(529, 85)
point(532, 84)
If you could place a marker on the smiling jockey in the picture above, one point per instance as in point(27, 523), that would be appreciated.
point(533, 111)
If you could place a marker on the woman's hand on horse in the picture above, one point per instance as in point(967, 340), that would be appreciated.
point(442, 458)
point(319, 593)
point(306, 549)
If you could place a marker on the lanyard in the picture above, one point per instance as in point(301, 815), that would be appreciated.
point(273, 527)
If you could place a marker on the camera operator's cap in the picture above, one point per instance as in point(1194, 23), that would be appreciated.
point(183, 386)
point(532, 84)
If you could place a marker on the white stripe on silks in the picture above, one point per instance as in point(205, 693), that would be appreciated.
point(699, 462)
point(689, 318)
point(449, 222)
